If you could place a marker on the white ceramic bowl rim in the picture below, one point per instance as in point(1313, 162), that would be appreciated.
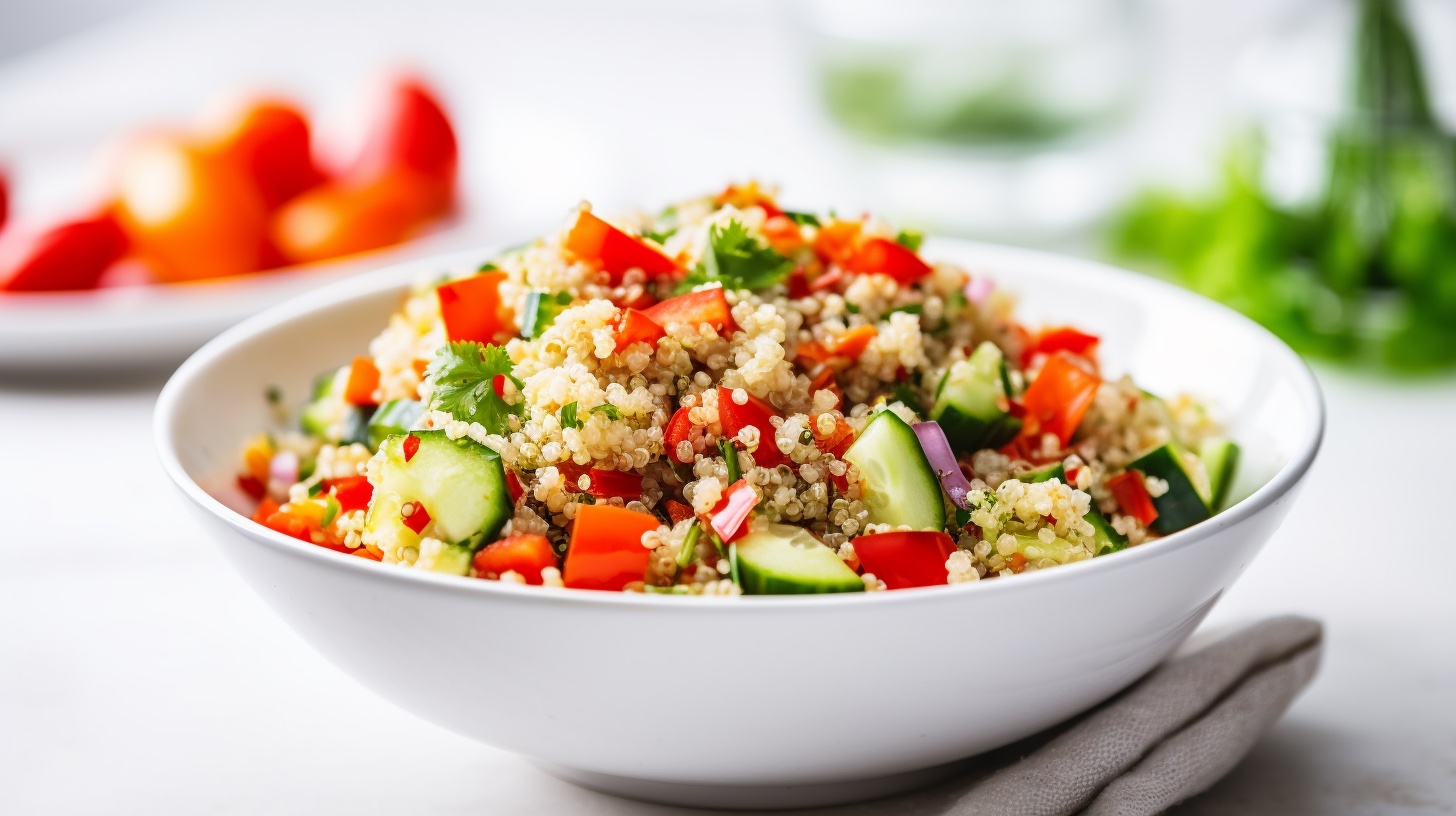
point(1271, 491)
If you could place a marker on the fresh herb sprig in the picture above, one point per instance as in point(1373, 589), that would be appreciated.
point(464, 375)
point(737, 260)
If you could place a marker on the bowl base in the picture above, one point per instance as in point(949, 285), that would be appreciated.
point(753, 797)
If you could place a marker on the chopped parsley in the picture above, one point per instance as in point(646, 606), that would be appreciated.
point(611, 411)
point(802, 218)
point(464, 375)
point(852, 308)
point(487, 267)
point(909, 308)
point(568, 416)
point(910, 239)
point(737, 260)
point(660, 237)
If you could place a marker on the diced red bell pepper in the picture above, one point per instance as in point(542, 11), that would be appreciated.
point(524, 554)
point(814, 351)
point(1066, 338)
point(835, 442)
point(729, 518)
point(695, 308)
point(513, 484)
point(604, 484)
point(614, 251)
point(67, 257)
point(414, 516)
point(906, 559)
point(755, 412)
point(677, 511)
point(1058, 398)
point(352, 492)
point(884, 256)
point(471, 308)
point(835, 243)
point(411, 444)
point(636, 327)
point(363, 380)
point(266, 508)
point(1131, 492)
point(747, 195)
point(367, 554)
point(783, 235)
point(827, 279)
point(606, 549)
point(252, 486)
point(677, 431)
point(798, 284)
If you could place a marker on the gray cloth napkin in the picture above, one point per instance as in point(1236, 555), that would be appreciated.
point(1170, 736)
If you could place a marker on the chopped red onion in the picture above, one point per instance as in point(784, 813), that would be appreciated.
point(943, 461)
point(283, 468)
point(978, 289)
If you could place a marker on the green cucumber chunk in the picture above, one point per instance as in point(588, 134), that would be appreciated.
point(897, 484)
point(460, 483)
point(1045, 474)
point(783, 559)
point(392, 418)
point(1106, 539)
point(1221, 461)
point(319, 412)
point(1184, 504)
point(966, 402)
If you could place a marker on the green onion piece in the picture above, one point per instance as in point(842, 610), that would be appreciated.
point(689, 549)
point(730, 457)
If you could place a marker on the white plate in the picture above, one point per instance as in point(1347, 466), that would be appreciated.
point(138, 327)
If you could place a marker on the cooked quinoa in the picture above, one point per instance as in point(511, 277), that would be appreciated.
point(728, 397)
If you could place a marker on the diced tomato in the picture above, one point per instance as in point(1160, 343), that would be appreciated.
point(415, 516)
point(1066, 338)
point(636, 327)
point(677, 431)
point(524, 554)
point(906, 559)
point(513, 484)
point(1131, 492)
point(836, 241)
point(614, 251)
point(852, 343)
point(603, 484)
point(362, 381)
point(412, 134)
point(729, 518)
point(835, 442)
point(885, 257)
point(69, 256)
point(269, 139)
point(472, 309)
point(695, 308)
point(677, 511)
point(252, 486)
point(1058, 398)
point(352, 492)
point(349, 215)
point(606, 549)
point(755, 412)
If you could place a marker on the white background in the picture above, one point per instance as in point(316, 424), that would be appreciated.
point(138, 675)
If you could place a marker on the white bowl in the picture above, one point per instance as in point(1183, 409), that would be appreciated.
point(760, 701)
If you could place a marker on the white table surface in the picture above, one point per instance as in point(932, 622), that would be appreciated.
point(139, 675)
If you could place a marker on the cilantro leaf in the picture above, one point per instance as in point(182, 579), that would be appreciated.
point(910, 239)
point(568, 416)
point(464, 376)
point(802, 218)
point(487, 267)
point(738, 261)
point(660, 237)
point(612, 411)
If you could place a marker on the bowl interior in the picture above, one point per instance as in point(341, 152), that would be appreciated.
point(1171, 341)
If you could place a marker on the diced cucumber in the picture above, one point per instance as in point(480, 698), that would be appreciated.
point(461, 485)
point(1184, 503)
point(1045, 474)
point(1107, 539)
point(1033, 548)
point(355, 427)
point(966, 402)
point(897, 484)
point(327, 406)
point(783, 559)
point(391, 418)
point(1221, 461)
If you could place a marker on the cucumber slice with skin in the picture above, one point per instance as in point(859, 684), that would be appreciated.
point(1221, 460)
point(1107, 539)
point(318, 414)
point(1183, 504)
point(391, 418)
point(897, 484)
point(966, 403)
point(460, 483)
point(782, 559)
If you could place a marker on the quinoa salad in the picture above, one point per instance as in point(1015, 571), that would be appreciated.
point(727, 398)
